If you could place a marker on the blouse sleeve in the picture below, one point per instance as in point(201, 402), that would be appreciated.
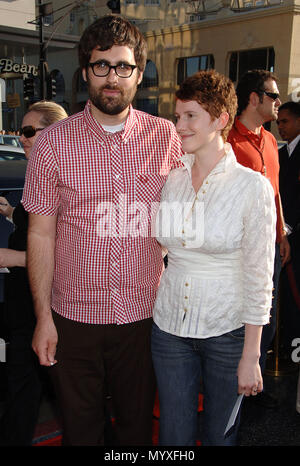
point(258, 251)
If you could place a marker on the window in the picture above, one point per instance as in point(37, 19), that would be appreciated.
point(82, 86)
point(240, 62)
point(147, 94)
point(196, 17)
point(152, 2)
point(150, 77)
point(147, 105)
point(190, 65)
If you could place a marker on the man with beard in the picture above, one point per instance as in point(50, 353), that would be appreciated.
point(256, 148)
point(94, 266)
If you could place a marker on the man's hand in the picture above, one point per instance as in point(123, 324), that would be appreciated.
point(285, 251)
point(45, 341)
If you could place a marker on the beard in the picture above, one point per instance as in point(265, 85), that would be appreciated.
point(111, 105)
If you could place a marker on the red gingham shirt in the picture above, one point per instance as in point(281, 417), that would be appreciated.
point(77, 169)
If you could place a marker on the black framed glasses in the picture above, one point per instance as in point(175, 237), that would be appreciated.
point(29, 131)
point(102, 68)
point(272, 95)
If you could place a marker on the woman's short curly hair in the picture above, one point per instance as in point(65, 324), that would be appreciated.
point(214, 92)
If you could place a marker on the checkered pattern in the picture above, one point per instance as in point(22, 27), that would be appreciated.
point(77, 168)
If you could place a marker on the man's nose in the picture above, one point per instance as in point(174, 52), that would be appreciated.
point(112, 75)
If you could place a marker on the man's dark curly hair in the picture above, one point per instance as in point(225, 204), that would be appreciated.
point(252, 81)
point(108, 31)
point(214, 92)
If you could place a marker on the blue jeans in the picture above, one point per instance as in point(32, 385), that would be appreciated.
point(180, 363)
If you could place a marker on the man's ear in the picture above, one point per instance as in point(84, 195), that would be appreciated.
point(254, 99)
point(84, 74)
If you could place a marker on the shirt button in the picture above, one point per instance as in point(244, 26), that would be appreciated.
point(186, 297)
point(186, 284)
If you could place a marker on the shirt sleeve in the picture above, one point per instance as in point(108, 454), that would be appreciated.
point(176, 150)
point(41, 195)
point(258, 252)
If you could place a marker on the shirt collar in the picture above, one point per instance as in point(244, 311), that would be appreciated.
point(98, 130)
point(291, 146)
point(226, 162)
point(242, 129)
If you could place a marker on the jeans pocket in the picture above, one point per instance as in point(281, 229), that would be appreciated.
point(238, 334)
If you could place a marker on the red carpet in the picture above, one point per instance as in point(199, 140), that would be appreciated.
point(48, 434)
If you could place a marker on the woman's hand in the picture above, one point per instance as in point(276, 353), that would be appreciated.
point(5, 208)
point(12, 258)
point(250, 380)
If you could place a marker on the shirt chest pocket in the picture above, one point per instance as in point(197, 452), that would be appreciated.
point(148, 187)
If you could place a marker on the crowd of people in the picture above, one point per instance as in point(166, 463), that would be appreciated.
point(10, 132)
point(108, 192)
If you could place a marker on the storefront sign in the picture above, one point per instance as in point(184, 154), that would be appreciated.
point(8, 66)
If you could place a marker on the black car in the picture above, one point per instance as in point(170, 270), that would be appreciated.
point(8, 152)
point(12, 176)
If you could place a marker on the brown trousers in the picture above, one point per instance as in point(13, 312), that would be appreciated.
point(99, 360)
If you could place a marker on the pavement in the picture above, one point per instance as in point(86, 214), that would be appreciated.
point(259, 426)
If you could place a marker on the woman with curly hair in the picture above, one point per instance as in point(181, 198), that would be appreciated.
point(217, 221)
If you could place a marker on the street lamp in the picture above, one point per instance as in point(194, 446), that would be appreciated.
point(46, 9)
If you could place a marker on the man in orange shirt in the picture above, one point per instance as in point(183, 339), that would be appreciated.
point(256, 148)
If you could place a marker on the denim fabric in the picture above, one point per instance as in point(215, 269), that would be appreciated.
point(180, 364)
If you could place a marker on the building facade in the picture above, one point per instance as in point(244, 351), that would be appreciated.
point(21, 37)
point(231, 39)
point(231, 36)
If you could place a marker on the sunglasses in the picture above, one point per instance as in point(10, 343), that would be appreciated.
point(29, 131)
point(272, 95)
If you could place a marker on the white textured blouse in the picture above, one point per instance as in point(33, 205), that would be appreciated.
point(221, 246)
